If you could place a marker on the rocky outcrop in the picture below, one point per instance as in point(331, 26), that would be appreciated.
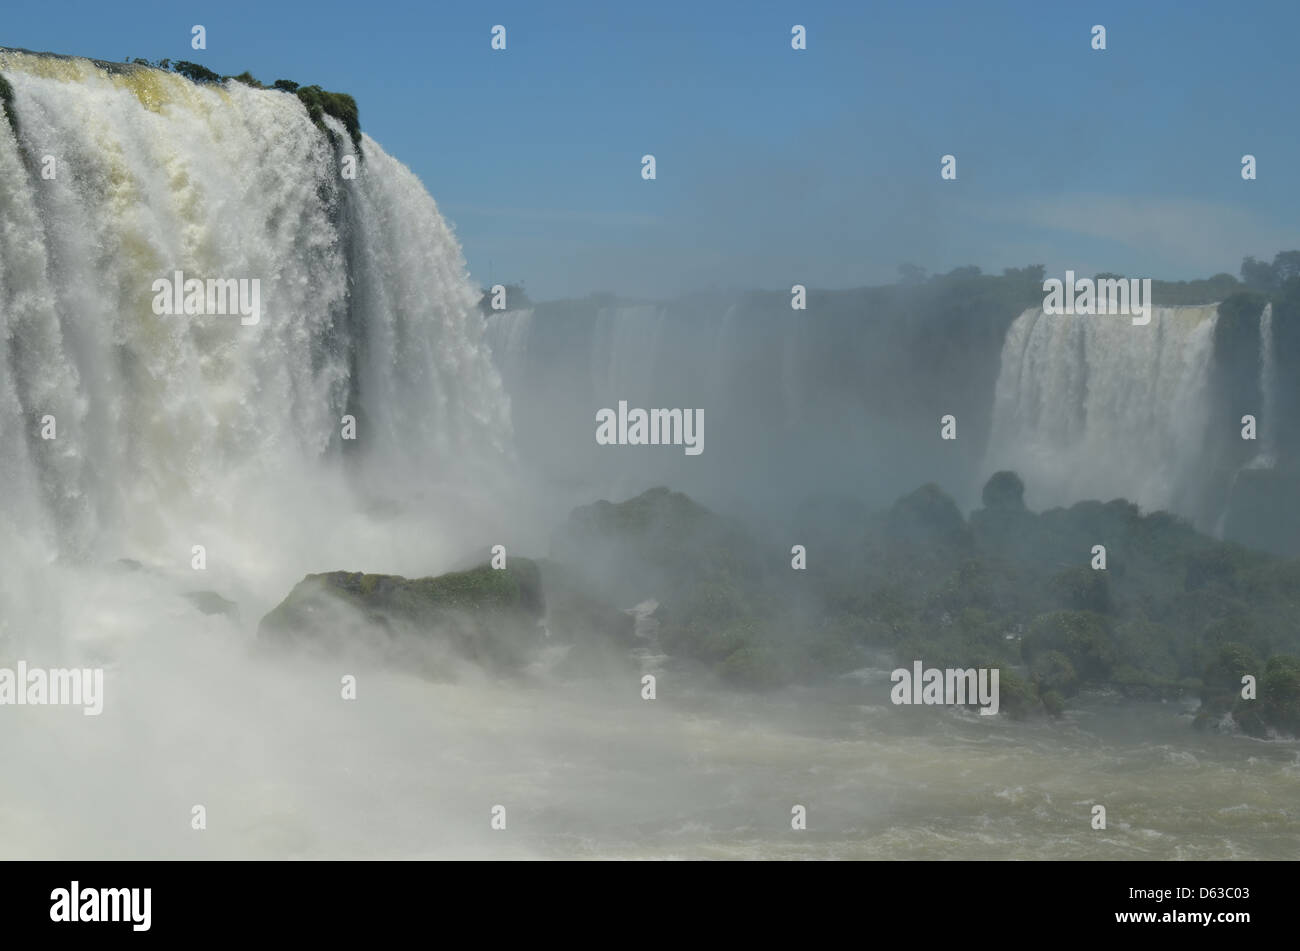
point(484, 616)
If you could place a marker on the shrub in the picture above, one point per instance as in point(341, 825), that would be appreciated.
point(195, 73)
point(340, 105)
point(1015, 696)
point(1082, 589)
point(317, 101)
point(1053, 671)
point(1081, 636)
point(1004, 490)
point(1053, 703)
point(247, 79)
point(1279, 694)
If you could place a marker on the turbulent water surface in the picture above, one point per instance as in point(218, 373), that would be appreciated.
point(413, 769)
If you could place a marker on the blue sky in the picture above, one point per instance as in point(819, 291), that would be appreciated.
point(775, 166)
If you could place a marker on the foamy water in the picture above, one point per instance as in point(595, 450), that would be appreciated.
point(587, 769)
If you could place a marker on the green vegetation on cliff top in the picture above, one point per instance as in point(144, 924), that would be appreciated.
point(317, 101)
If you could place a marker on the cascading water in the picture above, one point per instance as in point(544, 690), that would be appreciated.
point(200, 467)
point(176, 431)
point(833, 399)
point(1268, 391)
point(508, 336)
point(1097, 408)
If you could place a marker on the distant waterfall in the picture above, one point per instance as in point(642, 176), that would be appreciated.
point(1097, 408)
point(1268, 391)
point(507, 335)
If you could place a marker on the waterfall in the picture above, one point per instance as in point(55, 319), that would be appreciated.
point(841, 398)
point(747, 367)
point(1097, 408)
point(173, 431)
point(508, 335)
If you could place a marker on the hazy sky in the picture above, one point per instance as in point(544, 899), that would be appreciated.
point(778, 166)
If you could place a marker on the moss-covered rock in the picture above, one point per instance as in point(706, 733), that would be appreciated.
point(487, 616)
